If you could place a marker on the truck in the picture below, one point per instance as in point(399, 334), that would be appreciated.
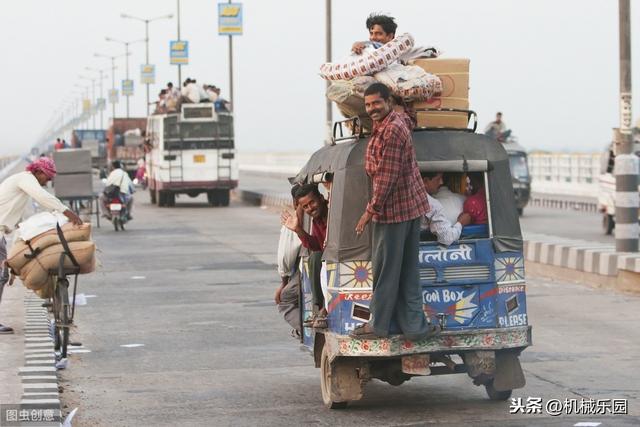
point(191, 152)
point(94, 140)
point(125, 139)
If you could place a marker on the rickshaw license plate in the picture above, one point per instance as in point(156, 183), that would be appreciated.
point(199, 158)
point(115, 206)
point(416, 364)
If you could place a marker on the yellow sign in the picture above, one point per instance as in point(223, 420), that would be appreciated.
point(199, 158)
point(86, 105)
point(230, 11)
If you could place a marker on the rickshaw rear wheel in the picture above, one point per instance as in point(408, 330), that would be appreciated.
point(339, 381)
point(495, 394)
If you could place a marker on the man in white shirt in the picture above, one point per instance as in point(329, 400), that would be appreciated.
point(452, 203)
point(190, 92)
point(288, 293)
point(15, 193)
point(120, 178)
point(435, 219)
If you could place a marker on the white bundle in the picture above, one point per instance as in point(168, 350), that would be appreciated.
point(410, 82)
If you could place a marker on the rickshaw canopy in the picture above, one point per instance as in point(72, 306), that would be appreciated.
point(436, 151)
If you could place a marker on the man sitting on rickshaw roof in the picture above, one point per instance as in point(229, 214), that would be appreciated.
point(382, 29)
point(313, 204)
point(398, 202)
point(436, 220)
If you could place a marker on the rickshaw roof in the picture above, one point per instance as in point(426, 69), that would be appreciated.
point(458, 150)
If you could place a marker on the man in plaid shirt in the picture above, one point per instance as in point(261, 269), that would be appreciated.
point(399, 201)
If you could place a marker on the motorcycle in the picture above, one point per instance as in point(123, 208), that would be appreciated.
point(119, 212)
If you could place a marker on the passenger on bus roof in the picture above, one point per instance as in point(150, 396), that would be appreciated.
point(313, 204)
point(436, 220)
point(476, 203)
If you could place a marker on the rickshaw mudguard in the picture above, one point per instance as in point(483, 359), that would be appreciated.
point(508, 375)
point(446, 342)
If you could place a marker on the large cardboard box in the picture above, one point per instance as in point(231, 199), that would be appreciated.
point(73, 185)
point(72, 160)
point(442, 119)
point(454, 74)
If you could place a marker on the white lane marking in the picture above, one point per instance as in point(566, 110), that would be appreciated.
point(131, 345)
point(138, 277)
point(586, 424)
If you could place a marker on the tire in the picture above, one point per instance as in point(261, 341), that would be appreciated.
point(223, 197)
point(115, 221)
point(62, 315)
point(162, 198)
point(152, 196)
point(520, 211)
point(495, 394)
point(171, 199)
point(608, 224)
point(212, 198)
point(339, 381)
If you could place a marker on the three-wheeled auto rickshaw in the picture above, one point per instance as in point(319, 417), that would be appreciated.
point(474, 289)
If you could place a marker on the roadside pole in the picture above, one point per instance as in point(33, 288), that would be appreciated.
point(627, 199)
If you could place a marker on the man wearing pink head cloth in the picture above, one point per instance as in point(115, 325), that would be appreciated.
point(15, 192)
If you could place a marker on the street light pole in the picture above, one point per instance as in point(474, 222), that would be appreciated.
point(93, 98)
point(233, 105)
point(101, 76)
point(113, 77)
point(626, 161)
point(179, 65)
point(146, 39)
point(126, 54)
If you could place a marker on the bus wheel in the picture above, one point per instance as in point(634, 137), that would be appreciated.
point(161, 196)
point(223, 197)
point(608, 223)
point(212, 198)
point(339, 381)
point(171, 199)
point(152, 196)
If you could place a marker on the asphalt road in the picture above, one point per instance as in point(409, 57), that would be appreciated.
point(194, 286)
point(566, 223)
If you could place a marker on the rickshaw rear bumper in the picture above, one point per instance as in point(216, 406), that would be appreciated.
point(445, 342)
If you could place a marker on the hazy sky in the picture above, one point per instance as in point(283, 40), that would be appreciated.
point(550, 66)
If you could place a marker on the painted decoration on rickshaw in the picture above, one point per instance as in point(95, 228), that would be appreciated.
point(307, 301)
point(492, 339)
point(462, 306)
point(509, 269)
point(512, 306)
point(356, 275)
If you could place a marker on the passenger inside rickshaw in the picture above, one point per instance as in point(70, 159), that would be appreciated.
point(455, 222)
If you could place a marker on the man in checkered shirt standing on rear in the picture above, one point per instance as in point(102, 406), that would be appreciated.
point(398, 202)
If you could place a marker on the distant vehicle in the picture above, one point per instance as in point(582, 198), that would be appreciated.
point(519, 173)
point(607, 184)
point(94, 140)
point(125, 140)
point(191, 152)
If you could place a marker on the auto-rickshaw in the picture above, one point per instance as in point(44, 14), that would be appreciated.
point(474, 289)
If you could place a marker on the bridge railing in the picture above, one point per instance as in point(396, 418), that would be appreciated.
point(573, 174)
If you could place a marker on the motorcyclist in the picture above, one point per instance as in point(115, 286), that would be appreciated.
point(120, 178)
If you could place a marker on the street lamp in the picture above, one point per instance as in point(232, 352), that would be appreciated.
point(99, 71)
point(113, 77)
point(146, 39)
point(126, 55)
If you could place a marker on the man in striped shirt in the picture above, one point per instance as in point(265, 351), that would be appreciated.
point(398, 202)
